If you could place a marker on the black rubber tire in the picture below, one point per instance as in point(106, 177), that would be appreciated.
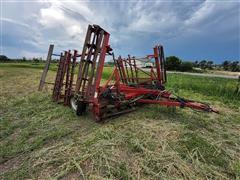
point(81, 108)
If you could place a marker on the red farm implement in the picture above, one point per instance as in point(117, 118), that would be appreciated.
point(127, 87)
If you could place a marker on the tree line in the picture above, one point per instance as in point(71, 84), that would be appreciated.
point(4, 58)
point(173, 63)
point(176, 64)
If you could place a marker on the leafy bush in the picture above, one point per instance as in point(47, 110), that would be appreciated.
point(231, 66)
point(176, 64)
point(186, 66)
point(3, 58)
point(173, 63)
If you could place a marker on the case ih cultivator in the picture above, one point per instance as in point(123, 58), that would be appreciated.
point(127, 87)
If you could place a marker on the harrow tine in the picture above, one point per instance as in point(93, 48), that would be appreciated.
point(68, 62)
point(131, 69)
point(125, 63)
point(135, 69)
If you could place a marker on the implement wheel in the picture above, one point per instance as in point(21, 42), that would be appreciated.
point(81, 108)
point(78, 106)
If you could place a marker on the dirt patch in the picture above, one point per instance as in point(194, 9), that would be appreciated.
point(12, 164)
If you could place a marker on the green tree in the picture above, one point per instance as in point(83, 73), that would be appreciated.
point(24, 58)
point(35, 60)
point(209, 64)
point(234, 66)
point(203, 64)
point(4, 58)
point(186, 66)
point(196, 64)
point(173, 63)
point(225, 65)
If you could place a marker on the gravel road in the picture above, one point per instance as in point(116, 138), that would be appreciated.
point(205, 75)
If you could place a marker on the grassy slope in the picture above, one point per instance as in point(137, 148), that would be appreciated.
point(40, 139)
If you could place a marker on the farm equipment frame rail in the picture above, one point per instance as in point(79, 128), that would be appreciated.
point(128, 86)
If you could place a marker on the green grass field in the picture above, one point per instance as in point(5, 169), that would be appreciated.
point(40, 139)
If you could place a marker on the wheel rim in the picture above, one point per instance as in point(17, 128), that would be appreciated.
point(73, 102)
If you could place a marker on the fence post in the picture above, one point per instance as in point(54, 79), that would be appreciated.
point(44, 74)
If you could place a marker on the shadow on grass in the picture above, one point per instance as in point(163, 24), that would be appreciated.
point(191, 119)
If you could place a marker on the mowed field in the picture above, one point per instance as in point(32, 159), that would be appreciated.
point(40, 139)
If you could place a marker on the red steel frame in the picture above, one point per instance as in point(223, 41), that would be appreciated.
point(140, 92)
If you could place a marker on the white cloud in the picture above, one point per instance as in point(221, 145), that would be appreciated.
point(51, 17)
point(208, 12)
point(133, 25)
point(14, 22)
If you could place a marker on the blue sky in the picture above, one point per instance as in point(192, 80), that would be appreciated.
point(191, 30)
